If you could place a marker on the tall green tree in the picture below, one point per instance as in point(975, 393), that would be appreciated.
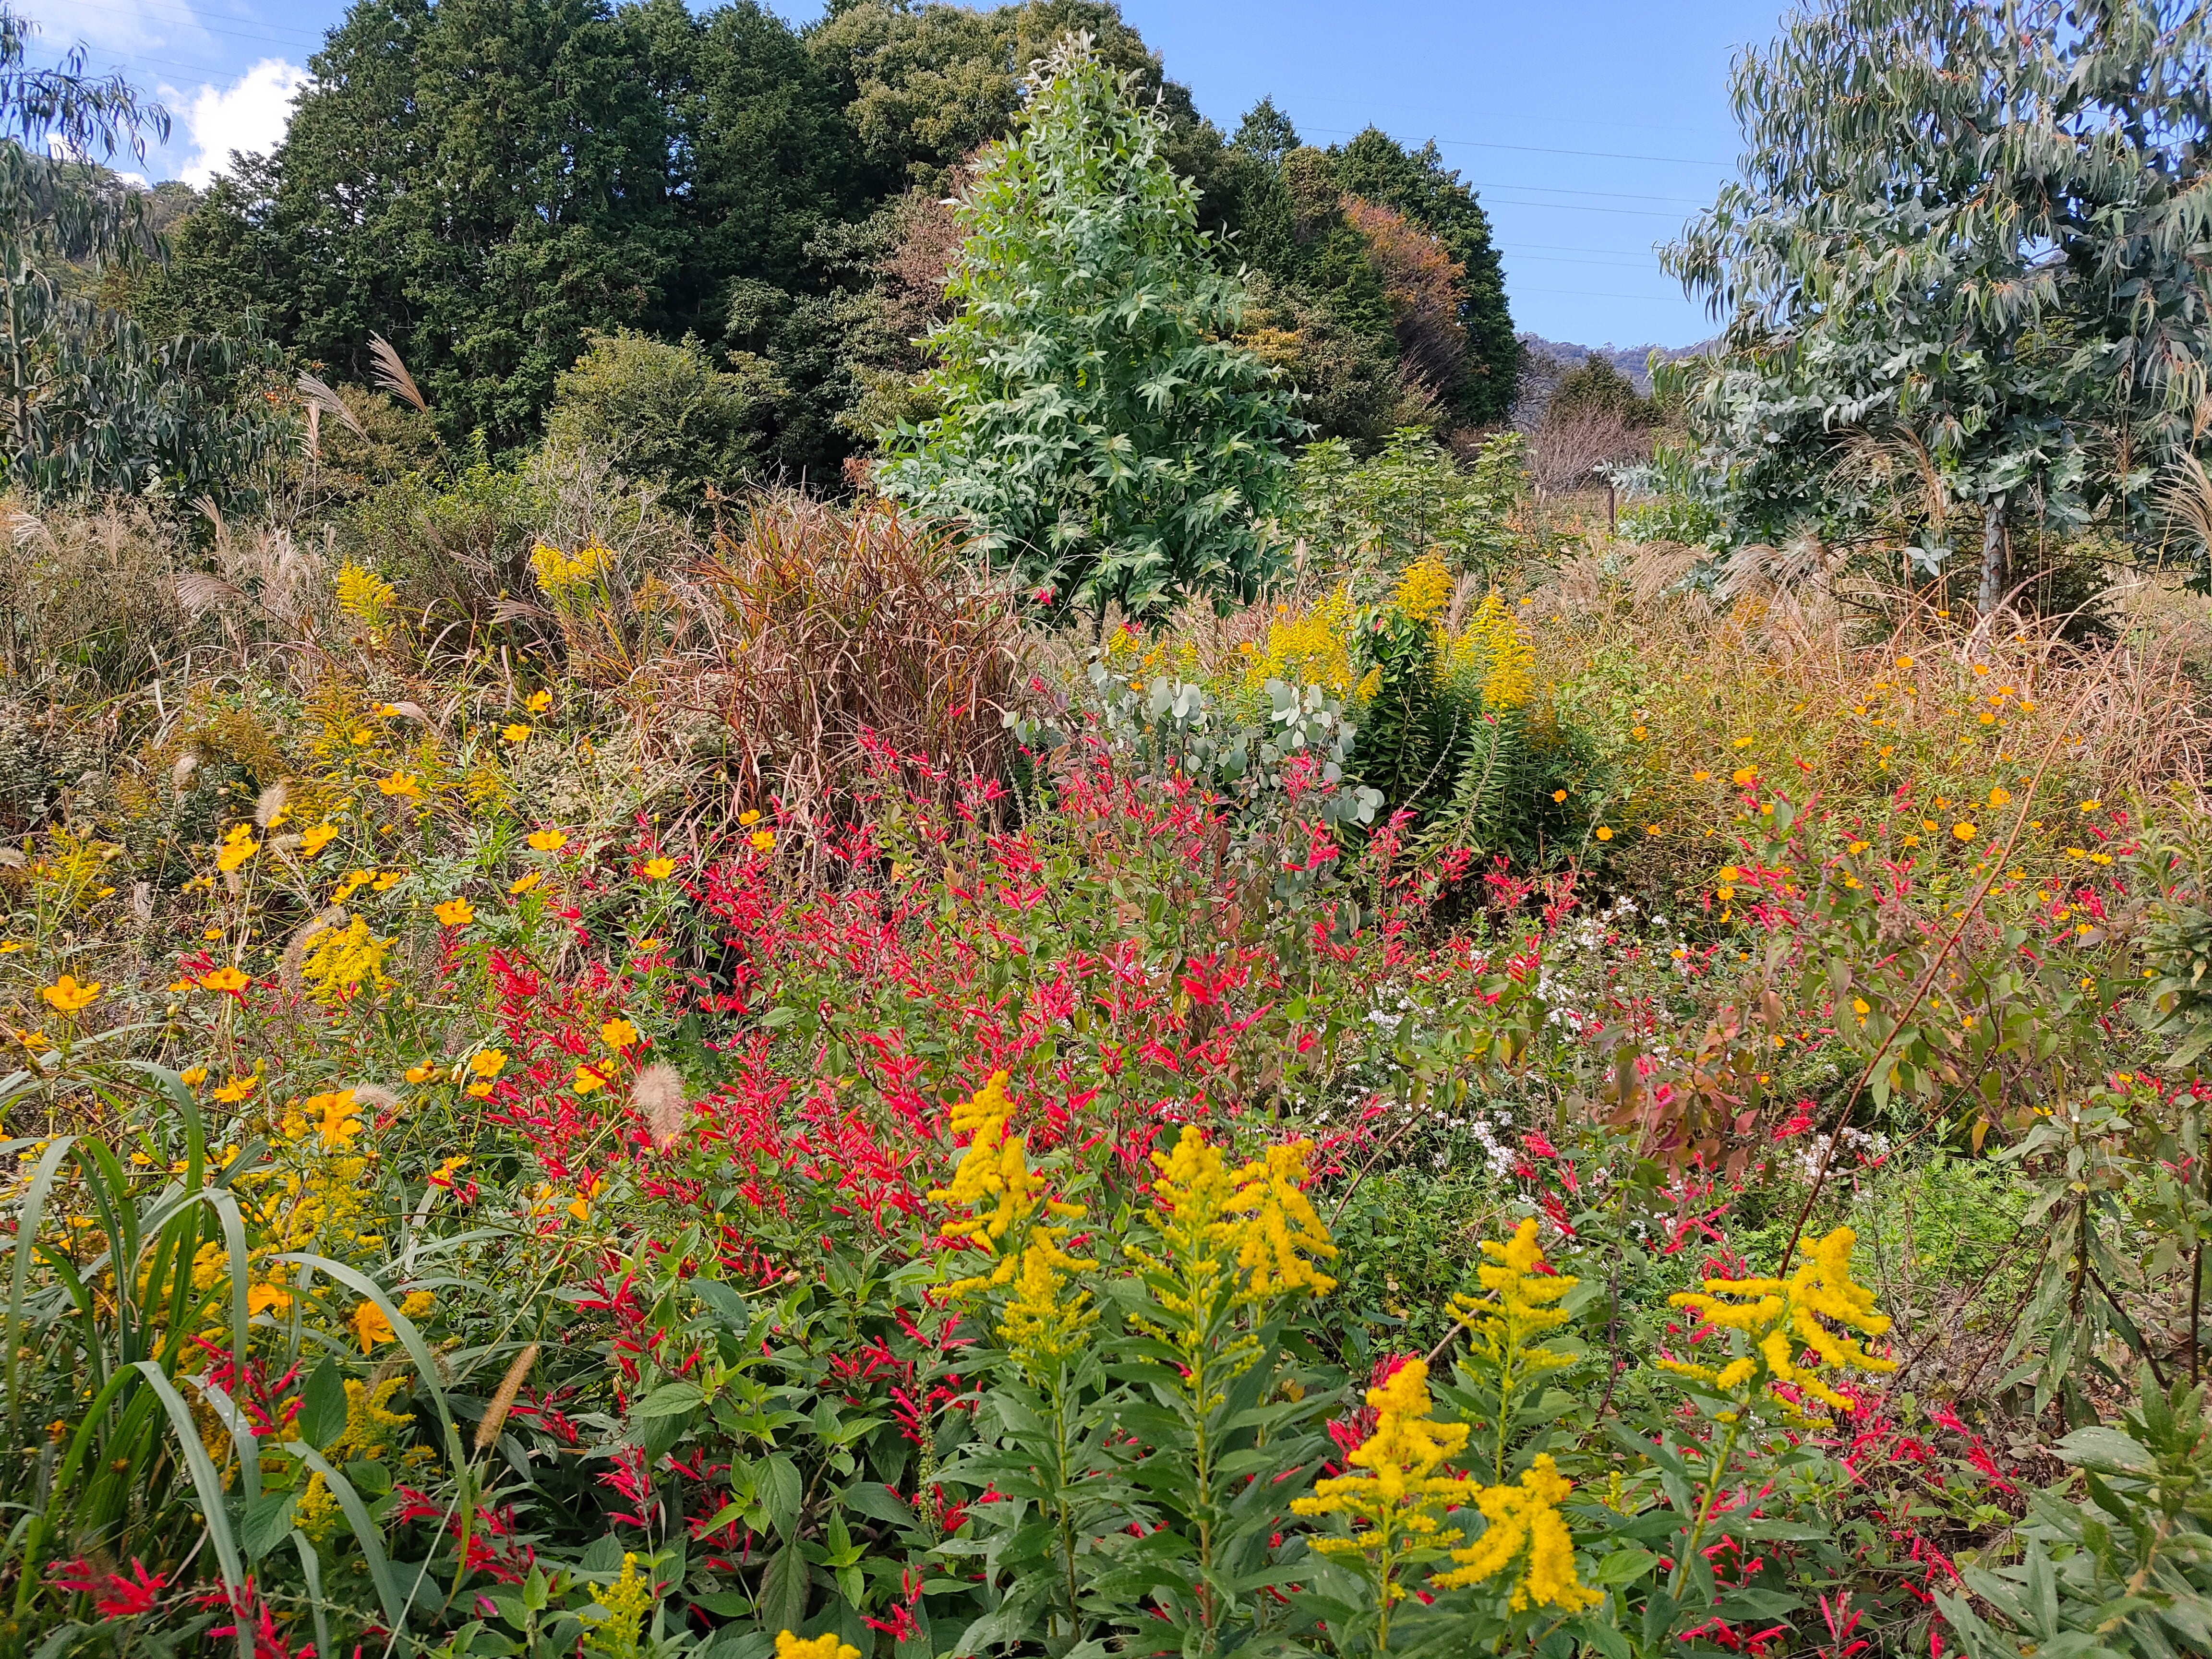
point(1979, 232)
point(1102, 433)
point(1419, 184)
point(89, 402)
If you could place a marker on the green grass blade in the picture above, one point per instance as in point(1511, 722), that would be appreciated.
point(209, 1484)
point(364, 1531)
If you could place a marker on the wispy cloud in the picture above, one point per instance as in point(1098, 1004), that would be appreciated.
point(250, 116)
point(115, 25)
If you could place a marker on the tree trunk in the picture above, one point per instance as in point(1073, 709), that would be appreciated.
point(1996, 576)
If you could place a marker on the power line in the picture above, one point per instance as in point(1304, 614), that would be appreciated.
point(298, 36)
point(1540, 149)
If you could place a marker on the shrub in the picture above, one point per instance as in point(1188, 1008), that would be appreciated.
point(665, 413)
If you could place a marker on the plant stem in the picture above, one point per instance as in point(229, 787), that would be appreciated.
point(1712, 1495)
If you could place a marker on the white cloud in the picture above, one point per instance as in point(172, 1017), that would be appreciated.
point(251, 115)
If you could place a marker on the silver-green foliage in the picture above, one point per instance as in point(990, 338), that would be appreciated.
point(1101, 432)
point(1976, 232)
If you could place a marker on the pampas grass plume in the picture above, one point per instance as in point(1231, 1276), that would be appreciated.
point(659, 1099)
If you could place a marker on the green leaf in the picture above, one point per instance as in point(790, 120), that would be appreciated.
point(1617, 1567)
point(783, 1590)
point(267, 1524)
point(669, 1400)
point(323, 1404)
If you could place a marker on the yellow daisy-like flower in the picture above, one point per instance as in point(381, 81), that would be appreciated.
point(237, 1090)
point(404, 785)
point(515, 732)
point(588, 1081)
point(618, 1034)
point(192, 1076)
point(421, 1073)
point(658, 869)
point(456, 913)
point(224, 979)
point(370, 1327)
point(748, 818)
point(547, 841)
point(237, 847)
point(316, 837)
point(539, 701)
point(1604, 833)
point(66, 996)
point(763, 840)
point(1964, 830)
point(489, 1063)
point(827, 1646)
point(522, 884)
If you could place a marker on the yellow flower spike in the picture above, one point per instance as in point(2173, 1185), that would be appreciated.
point(827, 1646)
point(1525, 1518)
point(1283, 1230)
point(1816, 1308)
point(1395, 1510)
point(1425, 589)
point(1044, 1323)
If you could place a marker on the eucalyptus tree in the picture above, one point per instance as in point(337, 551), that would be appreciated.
point(1974, 231)
point(1101, 432)
point(88, 402)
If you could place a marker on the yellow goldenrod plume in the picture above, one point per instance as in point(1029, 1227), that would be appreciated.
point(1782, 1318)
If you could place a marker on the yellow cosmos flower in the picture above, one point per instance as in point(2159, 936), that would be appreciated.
point(748, 818)
point(370, 1327)
point(618, 1034)
point(456, 913)
point(489, 1063)
point(522, 884)
point(192, 1076)
point(316, 837)
point(763, 840)
point(421, 1073)
point(66, 996)
point(404, 785)
point(1604, 833)
point(225, 979)
point(1964, 830)
point(515, 732)
point(658, 869)
point(539, 701)
point(588, 1081)
point(547, 841)
point(237, 847)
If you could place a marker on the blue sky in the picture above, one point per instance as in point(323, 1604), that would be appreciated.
point(1590, 130)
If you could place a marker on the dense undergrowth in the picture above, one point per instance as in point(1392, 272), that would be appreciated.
point(647, 1094)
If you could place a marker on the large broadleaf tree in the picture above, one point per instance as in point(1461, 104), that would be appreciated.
point(1975, 231)
point(1101, 432)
